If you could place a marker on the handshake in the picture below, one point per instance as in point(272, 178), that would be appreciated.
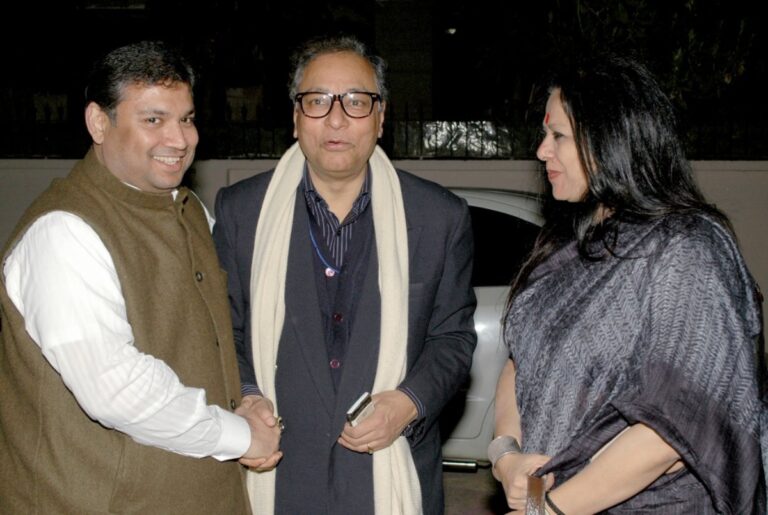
point(264, 452)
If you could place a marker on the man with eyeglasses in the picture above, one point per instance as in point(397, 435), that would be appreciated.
point(347, 276)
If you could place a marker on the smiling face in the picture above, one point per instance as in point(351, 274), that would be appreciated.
point(151, 142)
point(337, 147)
point(559, 152)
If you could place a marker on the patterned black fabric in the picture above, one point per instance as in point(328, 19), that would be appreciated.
point(663, 333)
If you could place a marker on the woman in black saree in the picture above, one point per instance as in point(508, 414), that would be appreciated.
point(635, 379)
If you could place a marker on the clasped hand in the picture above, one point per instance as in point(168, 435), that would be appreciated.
point(264, 452)
point(393, 411)
point(513, 470)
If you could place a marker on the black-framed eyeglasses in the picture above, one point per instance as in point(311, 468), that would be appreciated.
point(355, 104)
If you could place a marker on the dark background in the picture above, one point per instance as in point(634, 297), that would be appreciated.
point(465, 77)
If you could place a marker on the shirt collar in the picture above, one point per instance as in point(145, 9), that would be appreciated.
point(360, 204)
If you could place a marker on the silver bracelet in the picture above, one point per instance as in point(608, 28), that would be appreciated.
point(502, 445)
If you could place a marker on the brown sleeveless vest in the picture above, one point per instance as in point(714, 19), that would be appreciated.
point(53, 458)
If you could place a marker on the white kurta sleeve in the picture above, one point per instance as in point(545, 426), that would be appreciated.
point(62, 280)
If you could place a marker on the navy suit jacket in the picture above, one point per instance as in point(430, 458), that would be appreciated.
point(316, 474)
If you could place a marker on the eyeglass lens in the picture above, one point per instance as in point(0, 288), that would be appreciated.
point(318, 105)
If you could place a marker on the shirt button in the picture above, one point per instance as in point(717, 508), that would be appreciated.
point(338, 317)
point(199, 276)
point(335, 363)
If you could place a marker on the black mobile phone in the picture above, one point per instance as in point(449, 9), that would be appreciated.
point(360, 409)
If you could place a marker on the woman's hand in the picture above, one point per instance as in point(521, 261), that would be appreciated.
point(513, 470)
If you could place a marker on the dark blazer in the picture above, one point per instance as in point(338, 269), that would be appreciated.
point(316, 474)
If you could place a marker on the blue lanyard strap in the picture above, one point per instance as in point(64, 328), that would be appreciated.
point(330, 270)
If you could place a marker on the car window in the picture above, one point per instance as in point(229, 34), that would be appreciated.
point(502, 242)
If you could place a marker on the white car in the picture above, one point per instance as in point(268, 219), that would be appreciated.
point(505, 225)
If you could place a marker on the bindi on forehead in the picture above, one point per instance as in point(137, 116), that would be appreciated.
point(546, 118)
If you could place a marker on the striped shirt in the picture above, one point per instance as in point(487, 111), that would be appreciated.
point(336, 235)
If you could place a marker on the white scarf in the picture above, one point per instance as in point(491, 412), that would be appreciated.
point(395, 481)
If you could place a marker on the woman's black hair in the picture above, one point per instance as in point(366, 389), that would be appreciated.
point(625, 130)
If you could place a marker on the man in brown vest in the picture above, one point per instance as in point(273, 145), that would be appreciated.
point(117, 368)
